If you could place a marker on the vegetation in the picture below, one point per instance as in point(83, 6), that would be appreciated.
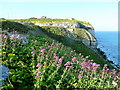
point(45, 63)
point(50, 21)
point(14, 26)
point(54, 59)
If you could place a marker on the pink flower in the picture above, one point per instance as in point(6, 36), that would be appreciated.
point(52, 51)
point(91, 78)
point(67, 63)
point(58, 65)
point(83, 59)
point(73, 63)
point(47, 55)
point(32, 52)
point(38, 58)
point(14, 40)
point(36, 70)
point(62, 57)
point(70, 66)
point(41, 47)
point(13, 44)
point(65, 69)
point(49, 46)
point(6, 45)
point(60, 60)
point(45, 65)
point(87, 57)
point(38, 65)
point(38, 73)
point(42, 51)
point(56, 58)
point(74, 58)
point(54, 54)
point(1, 43)
point(82, 71)
point(69, 69)
point(80, 76)
point(5, 36)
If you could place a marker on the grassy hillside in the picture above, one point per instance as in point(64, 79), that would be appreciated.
point(49, 20)
point(83, 24)
point(59, 34)
point(54, 59)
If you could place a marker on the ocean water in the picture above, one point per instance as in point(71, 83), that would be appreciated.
point(108, 42)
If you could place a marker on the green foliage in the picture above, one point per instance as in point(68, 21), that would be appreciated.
point(14, 26)
point(22, 61)
point(81, 32)
point(33, 18)
point(55, 33)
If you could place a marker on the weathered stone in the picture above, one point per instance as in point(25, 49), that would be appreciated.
point(18, 36)
point(3, 74)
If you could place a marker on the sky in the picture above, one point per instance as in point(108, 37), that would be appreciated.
point(102, 14)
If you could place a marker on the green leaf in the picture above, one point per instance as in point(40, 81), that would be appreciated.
point(43, 83)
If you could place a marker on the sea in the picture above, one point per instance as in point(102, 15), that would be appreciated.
point(108, 43)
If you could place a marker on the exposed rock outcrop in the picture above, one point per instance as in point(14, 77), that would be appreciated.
point(17, 36)
point(76, 25)
point(3, 74)
point(91, 41)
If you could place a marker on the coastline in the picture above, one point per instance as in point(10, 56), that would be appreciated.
point(107, 44)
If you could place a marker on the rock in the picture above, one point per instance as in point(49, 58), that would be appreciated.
point(92, 31)
point(59, 25)
point(18, 36)
point(3, 74)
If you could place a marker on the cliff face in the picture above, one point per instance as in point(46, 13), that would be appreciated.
point(59, 25)
point(91, 41)
point(89, 37)
point(82, 29)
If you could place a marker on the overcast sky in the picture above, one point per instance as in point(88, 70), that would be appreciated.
point(102, 14)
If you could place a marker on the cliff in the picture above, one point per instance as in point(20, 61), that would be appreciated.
point(74, 26)
point(77, 28)
point(70, 37)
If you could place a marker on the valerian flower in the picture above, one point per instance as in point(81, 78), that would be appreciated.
point(67, 63)
point(80, 76)
point(74, 58)
point(38, 65)
point(38, 73)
